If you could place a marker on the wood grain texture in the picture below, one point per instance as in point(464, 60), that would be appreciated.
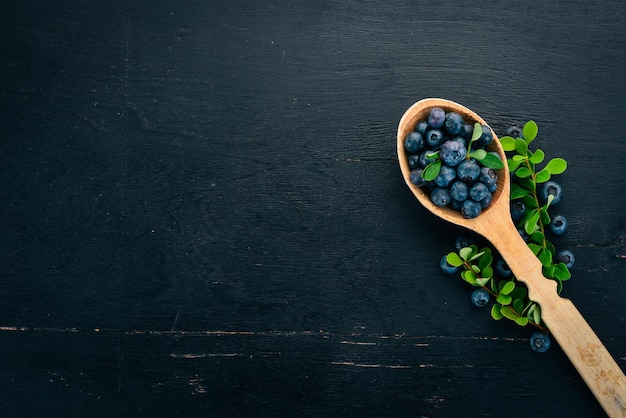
point(213, 187)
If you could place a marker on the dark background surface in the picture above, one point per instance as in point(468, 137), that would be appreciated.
point(203, 215)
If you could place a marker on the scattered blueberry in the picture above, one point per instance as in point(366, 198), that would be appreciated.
point(566, 257)
point(452, 153)
point(463, 241)
point(413, 142)
point(478, 191)
point(434, 138)
point(558, 226)
point(515, 131)
point(518, 210)
point(436, 117)
point(440, 196)
point(470, 209)
point(551, 188)
point(503, 269)
point(453, 123)
point(540, 342)
point(459, 191)
point(468, 170)
point(480, 297)
point(447, 267)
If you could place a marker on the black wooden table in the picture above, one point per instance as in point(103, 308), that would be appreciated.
point(203, 214)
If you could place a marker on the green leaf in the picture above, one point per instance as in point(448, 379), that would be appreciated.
point(477, 255)
point(487, 272)
point(454, 260)
point(508, 143)
point(521, 146)
point(431, 171)
point(469, 276)
point(536, 314)
point(544, 215)
point(482, 281)
point(529, 131)
point(507, 287)
point(545, 257)
point(518, 305)
point(496, 313)
point(475, 268)
point(561, 272)
point(508, 312)
point(513, 164)
point(537, 237)
point(542, 176)
point(522, 172)
point(504, 299)
point(535, 248)
point(521, 320)
point(492, 161)
point(466, 253)
point(478, 154)
point(530, 225)
point(537, 157)
point(517, 191)
point(556, 166)
point(478, 132)
point(519, 292)
point(485, 261)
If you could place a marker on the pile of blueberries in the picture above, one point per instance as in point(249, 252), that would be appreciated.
point(463, 183)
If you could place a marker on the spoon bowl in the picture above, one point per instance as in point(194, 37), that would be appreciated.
point(583, 347)
point(500, 199)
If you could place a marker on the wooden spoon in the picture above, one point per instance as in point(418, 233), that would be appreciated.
point(585, 350)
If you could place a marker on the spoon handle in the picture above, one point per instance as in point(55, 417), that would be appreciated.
point(579, 342)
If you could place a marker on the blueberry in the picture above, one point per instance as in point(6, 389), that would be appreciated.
point(434, 138)
point(518, 210)
point(447, 267)
point(445, 176)
point(422, 127)
point(453, 123)
point(413, 142)
point(452, 153)
point(522, 233)
point(456, 204)
point(468, 130)
point(463, 241)
point(486, 138)
point(540, 342)
point(503, 269)
point(489, 177)
point(551, 188)
point(558, 226)
point(440, 196)
point(566, 257)
point(424, 158)
point(480, 297)
point(414, 161)
point(436, 117)
point(416, 177)
point(478, 191)
point(468, 170)
point(515, 131)
point(486, 201)
point(459, 191)
point(470, 209)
